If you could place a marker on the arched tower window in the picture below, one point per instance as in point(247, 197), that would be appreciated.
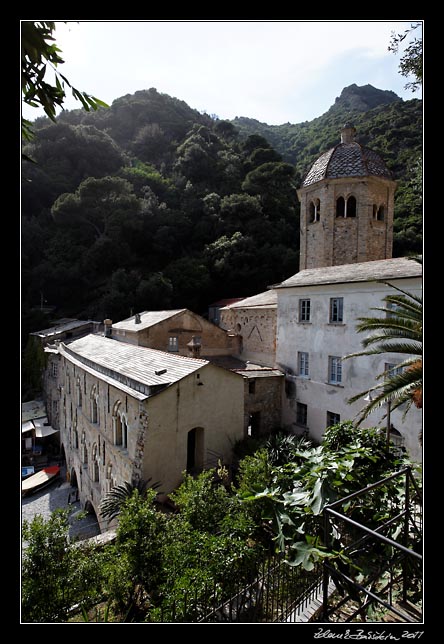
point(346, 207)
point(340, 207)
point(380, 214)
point(350, 207)
point(314, 211)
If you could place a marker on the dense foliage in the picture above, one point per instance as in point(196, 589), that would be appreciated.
point(384, 123)
point(150, 204)
point(163, 565)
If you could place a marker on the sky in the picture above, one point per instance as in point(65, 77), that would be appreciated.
point(273, 71)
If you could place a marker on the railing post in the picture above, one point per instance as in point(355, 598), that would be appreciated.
point(325, 575)
point(406, 535)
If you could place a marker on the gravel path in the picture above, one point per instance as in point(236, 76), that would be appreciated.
point(56, 495)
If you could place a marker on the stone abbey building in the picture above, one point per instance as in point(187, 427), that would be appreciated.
point(167, 391)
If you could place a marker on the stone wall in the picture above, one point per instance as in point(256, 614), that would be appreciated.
point(256, 332)
point(266, 400)
point(332, 240)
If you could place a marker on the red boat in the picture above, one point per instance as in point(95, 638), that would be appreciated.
point(40, 479)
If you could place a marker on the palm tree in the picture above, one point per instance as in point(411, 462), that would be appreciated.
point(399, 331)
point(112, 502)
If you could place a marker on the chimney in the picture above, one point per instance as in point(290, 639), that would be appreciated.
point(137, 319)
point(348, 133)
point(194, 347)
point(108, 327)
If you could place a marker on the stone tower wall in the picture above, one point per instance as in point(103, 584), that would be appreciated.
point(332, 240)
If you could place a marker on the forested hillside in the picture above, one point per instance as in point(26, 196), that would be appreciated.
point(150, 204)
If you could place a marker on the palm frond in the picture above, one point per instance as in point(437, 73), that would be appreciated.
point(111, 504)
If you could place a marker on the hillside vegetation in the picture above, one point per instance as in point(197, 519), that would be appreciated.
point(150, 204)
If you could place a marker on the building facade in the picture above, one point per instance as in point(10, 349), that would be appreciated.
point(129, 413)
point(252, 322)
point(172, 331)
point(317, 316)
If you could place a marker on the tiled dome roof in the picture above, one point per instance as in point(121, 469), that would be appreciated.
point(348, 159)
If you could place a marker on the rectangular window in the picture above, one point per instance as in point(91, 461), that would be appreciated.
point(173, 344)
point(252, 386)
point(54, 369)
point(334, 370)
point(392, 309)
point(303, 364)
point(304, 310)
point(332, 418)
point(301, 414)
point(393, 368)
point(336, 309)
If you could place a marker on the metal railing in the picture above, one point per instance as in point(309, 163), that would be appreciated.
point(379, 535)
point(276, 592)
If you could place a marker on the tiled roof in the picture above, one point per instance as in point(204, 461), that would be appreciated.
point(147, 319)
point(68, 325)
point(347, 160)
point(129, 364)
point(267, 299)
point(383, 269)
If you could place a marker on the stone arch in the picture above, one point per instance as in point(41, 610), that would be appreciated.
point(73, 478)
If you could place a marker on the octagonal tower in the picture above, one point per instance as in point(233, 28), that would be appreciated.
point(347, 203)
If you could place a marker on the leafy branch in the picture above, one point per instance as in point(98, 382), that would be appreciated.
point(39, 54)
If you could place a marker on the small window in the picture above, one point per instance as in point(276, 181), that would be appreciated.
point(254, 424)
point(391, 309)
point(340, 207)
point(314, 211)
point(380, 214)
point(393, 369)
point(332, 418)
point(336, 309)
point(173, 344)
point(251, 386)
point(303, 366)
point(335, 370)
point(54, 369)
point(350, 207)
point(304, 310)
point(301, 414)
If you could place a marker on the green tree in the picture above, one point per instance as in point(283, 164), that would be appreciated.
point(411, 60)
point(398, 331)
point(56, 574)
point(40, 53)
point(348, 460)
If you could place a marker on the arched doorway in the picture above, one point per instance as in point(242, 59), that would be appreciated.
point(195, 450)
point(73, 478)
